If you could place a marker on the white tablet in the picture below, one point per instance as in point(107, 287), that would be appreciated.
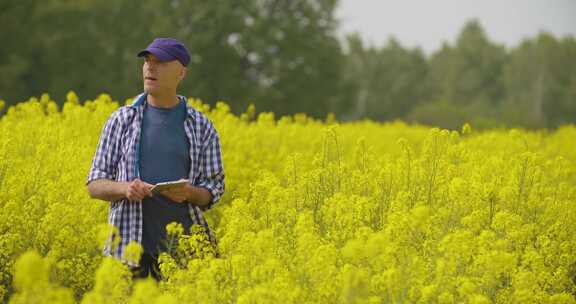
point(169, 185)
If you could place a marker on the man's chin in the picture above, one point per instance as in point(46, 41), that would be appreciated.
point(149, 90)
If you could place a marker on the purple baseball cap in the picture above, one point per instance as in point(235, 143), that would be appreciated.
point(167, 49)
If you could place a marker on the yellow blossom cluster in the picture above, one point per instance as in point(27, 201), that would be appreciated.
point(314, 212)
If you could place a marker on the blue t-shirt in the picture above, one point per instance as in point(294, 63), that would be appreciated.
point(164, 156)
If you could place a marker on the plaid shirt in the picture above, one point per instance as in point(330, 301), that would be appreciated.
point(117, 159)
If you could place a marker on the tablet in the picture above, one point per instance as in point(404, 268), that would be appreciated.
point(169, 185)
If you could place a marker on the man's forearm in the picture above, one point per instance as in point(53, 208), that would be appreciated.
point(199, 196)
point(107, 190)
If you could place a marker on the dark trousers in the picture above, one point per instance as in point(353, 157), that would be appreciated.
point(148, 267)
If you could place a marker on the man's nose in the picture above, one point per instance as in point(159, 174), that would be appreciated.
point(150, 66)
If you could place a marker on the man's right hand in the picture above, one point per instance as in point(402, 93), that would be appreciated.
point(137, 190)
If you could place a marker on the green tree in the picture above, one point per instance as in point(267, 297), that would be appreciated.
point(389, 80)
point(469, 72)
point(541, 82)
point(282, 55)
point(465, 81)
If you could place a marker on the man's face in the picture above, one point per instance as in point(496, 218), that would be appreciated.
point(161, 76)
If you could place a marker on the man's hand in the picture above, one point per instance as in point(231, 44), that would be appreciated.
point(198, 196)
point(180, 194)
point(137, 190)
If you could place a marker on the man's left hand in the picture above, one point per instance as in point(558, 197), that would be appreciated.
point(180, 194)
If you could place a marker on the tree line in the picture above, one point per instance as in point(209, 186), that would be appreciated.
point(473, 80)
point(285, 56)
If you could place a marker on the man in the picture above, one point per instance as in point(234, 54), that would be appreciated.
point(157, 138)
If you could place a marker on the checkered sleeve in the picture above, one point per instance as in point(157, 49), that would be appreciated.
point(211, 174)
point(104, 163)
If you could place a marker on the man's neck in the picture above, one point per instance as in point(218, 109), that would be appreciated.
point(163, 101)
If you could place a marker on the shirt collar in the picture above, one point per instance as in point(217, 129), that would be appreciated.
point(140, 100)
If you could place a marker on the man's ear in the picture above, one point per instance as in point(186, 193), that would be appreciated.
point(183, 73)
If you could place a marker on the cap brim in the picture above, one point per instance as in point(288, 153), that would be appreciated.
point(159, 53)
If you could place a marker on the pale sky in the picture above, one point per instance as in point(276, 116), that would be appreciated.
point(427, 23)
